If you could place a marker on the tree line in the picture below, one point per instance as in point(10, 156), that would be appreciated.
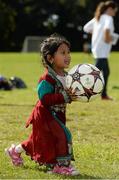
point(22, 18)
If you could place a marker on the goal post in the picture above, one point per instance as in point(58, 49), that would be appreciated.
point(32, 43)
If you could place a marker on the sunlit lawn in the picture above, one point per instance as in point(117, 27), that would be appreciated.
point(94, 125)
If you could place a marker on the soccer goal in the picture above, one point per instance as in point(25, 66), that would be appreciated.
point(32, 43)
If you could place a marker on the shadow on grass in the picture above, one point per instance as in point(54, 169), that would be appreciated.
point(43, 170)
point(81, 177)
point(22, 105)
point(84, 176)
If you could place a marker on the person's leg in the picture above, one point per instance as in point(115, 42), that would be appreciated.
point(106, 72)
point(102, 64)
point(63, 151)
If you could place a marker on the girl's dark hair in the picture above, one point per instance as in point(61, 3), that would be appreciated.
point(103, 6)
point(50, 45)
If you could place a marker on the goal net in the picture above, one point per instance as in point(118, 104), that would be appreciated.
point(32, 43)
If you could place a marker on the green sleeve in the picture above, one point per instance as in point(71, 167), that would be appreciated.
point(43, 88)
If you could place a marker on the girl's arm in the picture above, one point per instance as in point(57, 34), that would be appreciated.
point(108, 26)
point(107, 36)
point(48, 97)
point(88, 27)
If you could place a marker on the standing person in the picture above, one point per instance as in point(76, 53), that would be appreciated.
point(103, 37)
point(50, 142)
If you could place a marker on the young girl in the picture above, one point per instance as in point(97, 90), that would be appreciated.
point(103, 37)
point(50, 142)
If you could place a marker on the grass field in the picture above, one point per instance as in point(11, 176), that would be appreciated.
point(94, 125)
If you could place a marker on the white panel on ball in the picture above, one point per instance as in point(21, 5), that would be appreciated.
point(87, 81)
point(84, 69)
point(98, 86)
point(94, 67)
point(94, 97)
point(73, 70)
point(68, 81)
point(102, 78)
point(78, 88)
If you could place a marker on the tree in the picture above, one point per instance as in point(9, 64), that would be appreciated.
point(22, 18)
point(7, 25)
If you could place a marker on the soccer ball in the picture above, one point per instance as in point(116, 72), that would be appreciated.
point(86, 80)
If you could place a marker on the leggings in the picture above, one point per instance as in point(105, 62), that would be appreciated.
point(102, 64)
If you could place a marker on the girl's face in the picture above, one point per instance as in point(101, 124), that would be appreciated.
point(112, 12)
point(61, 58)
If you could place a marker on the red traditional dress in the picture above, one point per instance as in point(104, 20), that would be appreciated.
point(50, 141)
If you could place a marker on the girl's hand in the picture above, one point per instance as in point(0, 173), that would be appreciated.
point(72, 94)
